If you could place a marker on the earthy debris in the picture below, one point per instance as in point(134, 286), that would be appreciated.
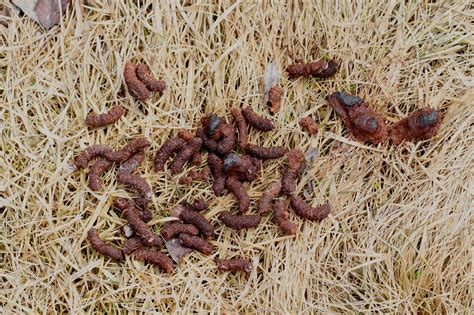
point(274, 98)
point(197, 243)
point(363, 122)
point(290, 174)
point(240, 192)
point(419, 125)
point(282, 218)
point(238, 222)
point(102, 247)
point(234, 264)
point(309, 125)
point(257, 121)
point(169, 147)
point(265, 153)
point(154, 257)
point(107, 118)
point(268, 195)
point(305, 211)
point(153, 85)
point(95, 172)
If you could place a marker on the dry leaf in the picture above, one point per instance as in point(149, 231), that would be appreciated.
point(45, 12)
point(311, 155)
point(176, 250)
point(270, 78)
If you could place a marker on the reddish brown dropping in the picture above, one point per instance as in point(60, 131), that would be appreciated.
point(169, 147)
point(238, 222)
point(228, 140)
point(132, 244)
point(197, 243)
point(307, 212)
point(290, 174)
point(132, 164)
point(274, 98)
point(257, 121)
point(265, 153)
point(140, 227)
point(95, 172)
point(136, 87)
point(282, 218)
point(198, 220)
point(91, 152)
point(185, 154)
point(132, 147)
point(318, 68)
point(185, 134)
point(419, 125)
point(363, 122)
point(309, 125)
point(244, 168)
point(217, 169)
point(136, 182)
point(122, 204)
point(102, 247)
point(196, 159)
point(153, 85)
point(268, 195)
point(155, 258)
point(200, 205)
point(241, 127)
point(107, 118)
point(194, 175)
point(173, 229)
point(207, 142)
point(238, 189)
point(234, 264)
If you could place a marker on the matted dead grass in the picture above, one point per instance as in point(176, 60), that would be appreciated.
point(400, 236)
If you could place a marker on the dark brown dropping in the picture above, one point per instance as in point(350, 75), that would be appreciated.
point(132, 244)
point(265, 153)
point(240, 192)
point(200, 205)
point(305, 211)
point(185, 134)
point(185, 154)
point(228, 138)
point(257, 121)
point(104, 119)
point(128, 150)
point(102, 247)
point(290, 174)
point(419, 125)
point(197, 243)
point(155, 258)
point(238, 222)
point(168, 148)
point(241, 127)
point(363, 122)
point(282, 218)
point(234, 264)
point(274, 98)
point(318, 68)
point(140, 227)
point(196, 159)
point(244, 168)
point(136, 182)
point(207, 143)
point(95, 172)
point(268, 195)
point(330, 70)
point(122, 204)
point(136, 87)
point(132, 164)
point(153, 85)
point(173, 229)
point(217, 169)
point(309, 125)
point(199, 221)
point(91, 152)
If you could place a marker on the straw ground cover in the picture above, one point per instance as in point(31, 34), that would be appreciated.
point(400, 235)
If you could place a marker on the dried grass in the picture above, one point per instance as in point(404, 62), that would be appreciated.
point(399, 239)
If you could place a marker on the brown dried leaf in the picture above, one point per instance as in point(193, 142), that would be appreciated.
point(45, 12)
point(176, 250)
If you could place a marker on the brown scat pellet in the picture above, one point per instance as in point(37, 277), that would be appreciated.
point(257, 121)
point(217, 169)
point(422, 124)
point(136, 87)
point(198, 220)
point(128, 150)
point(140, 227)
point(240, 192)
point(228, 139)
point(207, 143)
point(200, 204)
point(104, 119)
point(91, 152)
point(132, 244)
point(153, 85)
point(136, 182)
point(168, 148)
point(282, 218)
point(309, 125)
point(210, 123)
point(185, 134)
point(133, 162)
point(314, 68)
point(155, 258)
point(197, 158)
point(185, 154)
point(234, 264)
point(268, 195)
point(241, 127)
point(193, 175)
point(122, 204)
point(363, 122)
point(290, 173)
point(305, 211)
point(244, 168)
point(171, 230)
point(102, 247)
point(274, 98)
point(95, 172)
point(265, 153)
point(197, 243)
point(330, 70)
point(238, 222)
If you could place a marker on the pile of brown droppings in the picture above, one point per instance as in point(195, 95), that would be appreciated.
point(140, 83)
